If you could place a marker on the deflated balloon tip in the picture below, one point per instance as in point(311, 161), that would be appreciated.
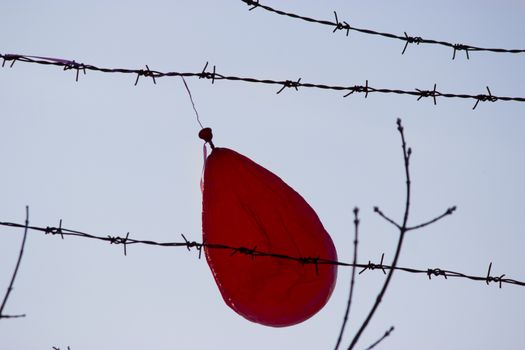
point(207, 135)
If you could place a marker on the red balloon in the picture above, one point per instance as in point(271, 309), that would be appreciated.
point(245, 205)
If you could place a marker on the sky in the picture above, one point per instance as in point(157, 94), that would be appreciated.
point(108, 157)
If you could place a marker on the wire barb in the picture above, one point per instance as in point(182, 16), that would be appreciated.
point(55, 230)
point(358, 88)
point(484, 98)
point(494, 279)
point(9, 57)
point(206, 75)
point(146, 73)
point(436, 272)
point(253, 3)
point(290, 84)
point(411, 40)
point(428, 93)
point(341, 25)
point(119, 240)
point(372, 266)
point(460, 47)
point(76, 66)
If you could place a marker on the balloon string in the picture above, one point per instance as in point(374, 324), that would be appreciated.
point(192, 103)
point(204, 150)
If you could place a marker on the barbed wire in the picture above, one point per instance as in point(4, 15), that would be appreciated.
point(408, 39)
point(214, 75)
point(126, 241)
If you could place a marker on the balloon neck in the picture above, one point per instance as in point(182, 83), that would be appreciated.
point(207, 135)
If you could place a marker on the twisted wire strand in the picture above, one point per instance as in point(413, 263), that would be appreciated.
point(126, 241)
point(214, 75)
point(344, 26)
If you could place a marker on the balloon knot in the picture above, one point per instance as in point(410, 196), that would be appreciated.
point(207, 135)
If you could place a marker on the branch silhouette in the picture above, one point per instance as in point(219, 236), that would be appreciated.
point(387, 333)
point(403, 229)
point(13, 277)
point(352, 280)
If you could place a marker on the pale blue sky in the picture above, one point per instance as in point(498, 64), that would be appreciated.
point(108, 157)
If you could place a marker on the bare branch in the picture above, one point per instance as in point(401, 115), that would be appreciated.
point(378, 211)
point(448, 212)
point(402, 231)
point(349, 303)
point(387, 333)
point(10, 288)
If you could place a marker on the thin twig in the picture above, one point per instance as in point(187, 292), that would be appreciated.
point(387, 333)
point(402, 231)
point(10, 288)
point(378, 211)
point(352, 281)
point(448, 212)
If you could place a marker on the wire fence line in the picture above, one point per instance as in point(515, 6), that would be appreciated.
point(408, 39)
point(255, 253)
point(213, 75)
